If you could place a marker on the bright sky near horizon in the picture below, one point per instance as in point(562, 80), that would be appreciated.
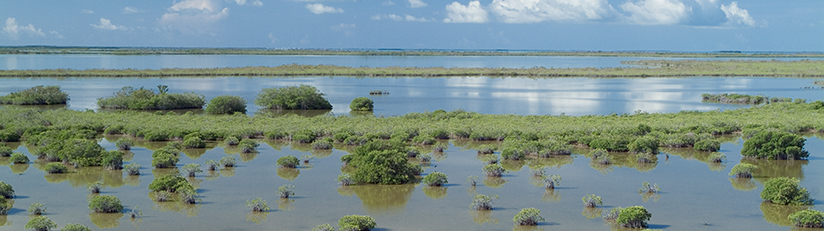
point(674, 25)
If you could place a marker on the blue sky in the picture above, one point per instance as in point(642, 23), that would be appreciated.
point(675, 25)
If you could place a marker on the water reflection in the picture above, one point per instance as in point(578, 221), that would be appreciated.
point(257, 217)
point(4, 221)
point(483, 217)
point(551, 162)
point(645, 196)
point(592, 213)
point(381, 199)
point(513, 165)
point(776, 168)
point(79, 177)
point(692, 154)
point(227, 172)
point(550, 195)
point(190, 210)
point(743, 184)
point(494, 182)
point(194, 153)
point(778, 214)
point(19, 168)
point(106, 220)
point(289, 174)
point(286, 204)
point(434, 192)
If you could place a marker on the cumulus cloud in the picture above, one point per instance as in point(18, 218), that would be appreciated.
point(656, 12)
point(87, 11)
point(130, 10)
point(13, 30)
point(106, 24)
point(253, 3)
point(193, 15)
point(737, 16)
point(530, 11)
point(471, 13)
point(318, 8)
point(416, 3)
point(396, 17)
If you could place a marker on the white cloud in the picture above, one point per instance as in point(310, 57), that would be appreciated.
point(106, 24)
point(193, 15)
point(13, 30)
point(530, 11)
point(737, 16)
point(414, 19)
point(318, 8)
point(471, 13)
point(56, 34)
point(396, 17)
point(347, 29)
point(656, 12)
point(388, 3)
point(130, 10)
point(416, 3)
point(707, 4)
point(203, 5)
point(87, 11)
point(253, 3)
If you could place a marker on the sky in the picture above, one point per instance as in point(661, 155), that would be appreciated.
point(579, 25)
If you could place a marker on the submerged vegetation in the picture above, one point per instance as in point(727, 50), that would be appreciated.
point(38, 95)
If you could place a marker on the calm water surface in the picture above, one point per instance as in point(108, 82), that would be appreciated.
point(523, 96)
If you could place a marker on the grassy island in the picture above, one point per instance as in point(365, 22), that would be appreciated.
point(646, 68)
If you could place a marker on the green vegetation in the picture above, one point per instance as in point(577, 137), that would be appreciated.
point(6, 190)
point(551, 181)
point(664, 68)
point(5, 150)
point(286, 191)
point(191, 169)
point(289, 161)
point(708, 145)
point(743, 170)
point(775, 145)
point(40, 223)
point(322, 144)
point(634, 217)
point(357, 222)
point(733, 98)
point(132, 169)
point(381, 162)
point(472, 180)
point(493, 170)
point(483, 202)
point(323, 227)
point(591, 201)
point(257, 205)
point(145, 99)
point(808, 218)
point(646, 187)
point(94, 187)
point(19, 158)
point(361, 104)
point(37, 208)
point(75, 227)
point(169, 183)
point(55, 167)
point(717, 157)
point(227, 161)
point(194, 142)
point(226, 104)
point(303, 97)
point(105, 204)
point(248, 146)
point(166, 157)
point(345, 179)
point(528, 216)
point(435, 179)
point(785, 191)
point(38, 95)
point(123, 144)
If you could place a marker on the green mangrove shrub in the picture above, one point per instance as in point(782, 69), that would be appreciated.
point(289, 161)
point(188, 195)
point(512, 154)
point(357, 222)
point(486, 149)
point(644, 144)
point(785, 191)
point(321, 144)
point(226, 104)
point(94, 187)
point(40, 223)
point(55, 167)
point(613, 214)
point(775, 145)
point(717, 157)
point(472, 180)
point(528, 216)
point(194, 142)
point(191, 169)
point(708, 145)
point(232, 141)
point(112, 160)
point(733, 98)
point(286, 191)
point(551, 181)
point(743, 170)
point(382, 162)
point(5, 150)
point(123, 144)
point(227, 161)
point(37, 208)
point(169, 183)
point(644, 157)
point(303, 97)
point(132, 169)
point(435, 179)
point(345, 179)
point(646, 187)
point(145, 99)
point(19, 158)
point(361, 104)
point(75, 227)
point(483, 202)
point(257, 205)
point(212, 165)
point(38, 95)
point(591, 201)
point(634, 217)
point(6, 190)
point(493, 170)
point(164, 159)
point(105, 204)
point(808, 218)
point(248, 146)
point(600, 156)
point(5, 206)
point(323, 227)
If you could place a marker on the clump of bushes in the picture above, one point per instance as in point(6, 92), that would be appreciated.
point(191, 169)
point(112, 160)
point(512, 154)
point(775, 146)
point(356, 222)
point(132, 169)
point(303, 97)
point(226, 104)
point(227, 161)
point(644, 144)
point(6, 190)
point(528, 216)
point(472, 180)
point(808, 218)
point(289, 161)
point(194, 142)
point(165, 158)
point(361, 104)
point(345, 180)
point(551, 181)
point(19, 158)
point(40, 223)
point(38, 95)
point(123, 144)
point(435, 179)
point(634, 217)
point(591, 201)
point(145, 99)
point(257, 205)
point(708, 145)
point(486, 149)
point(169, 183)
point(75, 227)
point(94, 187)
point(483, 202)
point(286, 191)
point(382, 162)
point(493, 170)
point(5, 150)
point(212, 165)
point(321, 144)
point(55, 167)
point(600, 156)
point(717, 157)
point(644, 157)
point(785, 191)
point(646, 187)
point(37, 208)
point(323, 227)
point(105, 204)
point(247, 145)
point(232, 141)
point(743, 170)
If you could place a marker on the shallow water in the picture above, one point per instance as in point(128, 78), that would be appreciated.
point(522, 96)
point(694, 192)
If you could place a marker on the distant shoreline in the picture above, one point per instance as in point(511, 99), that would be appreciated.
point(69, 50)
point(646, 68)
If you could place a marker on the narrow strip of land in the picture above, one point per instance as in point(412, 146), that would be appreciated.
point(646, 68)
